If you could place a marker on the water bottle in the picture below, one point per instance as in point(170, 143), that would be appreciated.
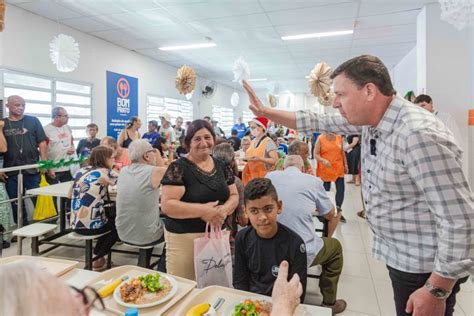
point(132, 311)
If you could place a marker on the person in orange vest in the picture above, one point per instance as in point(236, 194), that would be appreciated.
point(332, 165)
point(262, 154)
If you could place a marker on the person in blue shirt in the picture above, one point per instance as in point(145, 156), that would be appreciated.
point(86, 145)
point(152, 135)
point(240, 127)
point(282, 146)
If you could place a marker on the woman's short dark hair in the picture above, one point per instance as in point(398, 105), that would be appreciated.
point(131, 121)
point(195, 126)
point(366, 69)
point(258, 188)
point(99, 156)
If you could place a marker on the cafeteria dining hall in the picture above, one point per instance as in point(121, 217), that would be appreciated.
point(237, 157)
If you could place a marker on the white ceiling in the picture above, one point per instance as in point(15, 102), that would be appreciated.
point(251, 28)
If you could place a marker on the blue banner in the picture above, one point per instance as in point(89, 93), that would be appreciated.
point(122, 101)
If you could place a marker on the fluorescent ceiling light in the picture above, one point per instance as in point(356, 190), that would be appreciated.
point(313, 35)
point(306, 77)
point(191, 46)
point(258, 79)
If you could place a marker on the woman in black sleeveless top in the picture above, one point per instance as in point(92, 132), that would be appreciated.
point(130, 133)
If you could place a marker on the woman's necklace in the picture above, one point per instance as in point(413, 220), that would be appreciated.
point(20, 148)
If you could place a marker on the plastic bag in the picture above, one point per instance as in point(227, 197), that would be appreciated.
point(212, 258)
point(44, 204)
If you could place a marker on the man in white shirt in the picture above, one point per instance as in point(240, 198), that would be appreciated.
point(301, 194)
point(60, 145)
point(166, 130)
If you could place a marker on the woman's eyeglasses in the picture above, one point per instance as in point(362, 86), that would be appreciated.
point(90, 298)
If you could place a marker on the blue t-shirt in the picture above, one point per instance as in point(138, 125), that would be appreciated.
point(151, 137)
point(315, 137)
point(241, 129)
point(283, 148)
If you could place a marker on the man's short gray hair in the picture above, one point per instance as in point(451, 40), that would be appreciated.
point(293, 161)
point(295, 147)
point(56, 111)
point(137, 149)
point(46, 293)
point(225, 152)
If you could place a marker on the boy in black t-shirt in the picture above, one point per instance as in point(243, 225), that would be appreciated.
point(260, 248)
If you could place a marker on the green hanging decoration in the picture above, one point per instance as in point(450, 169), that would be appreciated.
point(51, 164)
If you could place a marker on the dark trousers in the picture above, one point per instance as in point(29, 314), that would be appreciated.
point(30, 181)
point(63, 176)
point(404, 284)
point(340, 187)
point(104, 243)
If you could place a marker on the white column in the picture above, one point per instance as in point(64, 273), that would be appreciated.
point(445, 69)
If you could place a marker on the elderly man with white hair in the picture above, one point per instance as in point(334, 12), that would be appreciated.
point(301, 194)
point(138, 213)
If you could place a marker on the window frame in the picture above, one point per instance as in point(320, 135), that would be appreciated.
point(227, 129)
point(163, 98)
point(53, 91)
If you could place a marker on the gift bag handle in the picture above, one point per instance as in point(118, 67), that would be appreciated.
point(212, 232)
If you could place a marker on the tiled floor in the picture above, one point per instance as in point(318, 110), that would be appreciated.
point(364, 282)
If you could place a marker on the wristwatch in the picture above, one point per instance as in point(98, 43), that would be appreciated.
point(437, 292)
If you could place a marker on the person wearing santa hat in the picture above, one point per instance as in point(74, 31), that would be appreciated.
point(262, 154)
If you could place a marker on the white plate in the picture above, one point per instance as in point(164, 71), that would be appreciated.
point(174, 289)
point(230, 309)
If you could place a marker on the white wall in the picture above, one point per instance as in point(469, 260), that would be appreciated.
point(24, 45)
point(444, 68)
point(404, 76)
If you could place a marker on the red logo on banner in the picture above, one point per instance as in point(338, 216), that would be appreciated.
point(123, 88)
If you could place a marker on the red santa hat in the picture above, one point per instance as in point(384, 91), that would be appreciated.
point(261, 121)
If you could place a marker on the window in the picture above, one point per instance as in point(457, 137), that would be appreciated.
point(76, 98)
point(43, 93)
point(225, 117)
point(247, 116)
point(156, 106)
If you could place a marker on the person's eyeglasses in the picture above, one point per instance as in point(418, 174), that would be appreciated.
point(151, 151)
point(90, 298)
point(63, 115)
point(373, 149)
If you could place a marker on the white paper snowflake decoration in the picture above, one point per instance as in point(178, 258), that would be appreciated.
point(234, 99)
point(457, 12)
point(64, 53)
point(241, 70)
